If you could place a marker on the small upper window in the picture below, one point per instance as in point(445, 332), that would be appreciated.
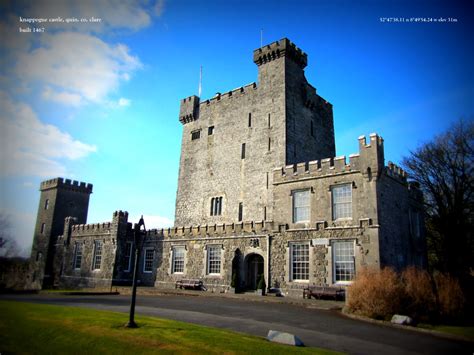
point(210, 131)
point(216, 206)
point(46, 204)
point(342, 201)
point(250, 119)
point(195, 134)
point(242, 152)
point(43, 226)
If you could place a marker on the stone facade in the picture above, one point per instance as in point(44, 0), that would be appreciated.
point(260, 194)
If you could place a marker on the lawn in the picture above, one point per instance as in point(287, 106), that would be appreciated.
point(37, 328)
point(465, 331)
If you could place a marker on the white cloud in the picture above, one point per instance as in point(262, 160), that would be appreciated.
point(30, 147)
point(123, 102)
point(84, 66)
point(113, 14)
point(153, 222)
point(65, 98)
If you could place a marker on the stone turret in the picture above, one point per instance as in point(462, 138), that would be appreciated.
point(189, 109)
point(282, 48)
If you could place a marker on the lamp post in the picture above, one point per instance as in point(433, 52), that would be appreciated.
point(139, 232)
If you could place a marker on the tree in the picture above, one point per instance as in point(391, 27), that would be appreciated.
point(444, 170)
point(8, 246)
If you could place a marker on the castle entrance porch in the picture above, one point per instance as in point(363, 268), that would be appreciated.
point(254, 267)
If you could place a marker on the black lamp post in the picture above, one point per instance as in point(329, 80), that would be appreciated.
point(139, 232)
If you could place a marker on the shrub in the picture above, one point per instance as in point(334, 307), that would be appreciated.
point(261, 283)
point(419, 296)
point(375, 293)
point(451, 299)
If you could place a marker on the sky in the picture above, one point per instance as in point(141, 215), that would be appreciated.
point(97, 99)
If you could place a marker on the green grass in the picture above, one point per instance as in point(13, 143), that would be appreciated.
point(465, 331)
point(37, 328)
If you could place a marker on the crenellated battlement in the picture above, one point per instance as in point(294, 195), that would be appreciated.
point(369, 161)
point(282, 48)
point(67, 184)
point(395, 171)
point(213, 230)
point(230, 94)
point(189, 109)
point(90, 229)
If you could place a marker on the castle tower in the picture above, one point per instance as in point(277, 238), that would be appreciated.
point(59, 199)
point(232, 142)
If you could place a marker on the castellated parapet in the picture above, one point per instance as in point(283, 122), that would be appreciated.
point(67, 184)
point(189, 109)
point(282, 48)
point(369, 161)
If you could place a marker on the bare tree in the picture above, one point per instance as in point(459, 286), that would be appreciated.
point(444, 169)
point(8, 245)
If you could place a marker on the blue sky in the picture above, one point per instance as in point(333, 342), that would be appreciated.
point(99, 102)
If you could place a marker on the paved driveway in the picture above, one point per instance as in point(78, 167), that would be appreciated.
point(326, 329)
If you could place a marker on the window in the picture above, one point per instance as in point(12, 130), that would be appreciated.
point(77, 255)
point(269, 121)
point(267, 179)
point(195, 135)
point(46, 204)
point(301, 206)
point(242, 153)
point(96, 261)
point(148, 260)
point(250, 119)
point(343, 261)
point(43, 226)
point(269, 144)
point(178, 260)
point(128, 256)
point(210, 131)
point(216, 206)
point(241, 211)
point(342, 201)
point(214, 259)
point(299, 261)
point(265, 213)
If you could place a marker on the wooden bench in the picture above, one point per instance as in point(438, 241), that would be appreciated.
point(324, 291)
point(194, 284)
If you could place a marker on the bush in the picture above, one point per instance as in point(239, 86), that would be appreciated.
point(261, 283)
point(375, 293)
point(451, 299)
point(382, 293)
point(419, 295)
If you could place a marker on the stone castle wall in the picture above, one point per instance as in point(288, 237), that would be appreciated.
point(272, 119)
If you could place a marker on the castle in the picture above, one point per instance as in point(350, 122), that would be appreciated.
point(259, 193)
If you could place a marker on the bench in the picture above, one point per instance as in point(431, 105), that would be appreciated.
point(194, 284)
point(324, 291)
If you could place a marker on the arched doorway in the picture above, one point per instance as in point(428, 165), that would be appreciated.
point(254, 266)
